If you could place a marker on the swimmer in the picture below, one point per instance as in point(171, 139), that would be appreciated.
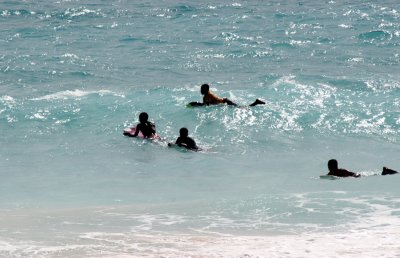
point(210, 98)
point(185, 141)
point(339, 172)
point(147, 128)
point(388, 171)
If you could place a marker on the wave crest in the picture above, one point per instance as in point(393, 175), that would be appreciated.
point(76, 94)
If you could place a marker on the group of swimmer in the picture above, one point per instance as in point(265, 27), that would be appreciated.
point(148, 130)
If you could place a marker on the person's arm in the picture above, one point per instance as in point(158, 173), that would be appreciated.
point(152, 127)
point(177, 142)
point(136, 131)
point(189, 144)
point(180, 142)
point(205, 100)
point(195, 104)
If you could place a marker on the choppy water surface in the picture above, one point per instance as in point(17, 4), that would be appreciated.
point(74, 74)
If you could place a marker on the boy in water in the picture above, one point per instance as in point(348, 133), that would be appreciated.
point(185, 141)
point(210, 98)
point(147, 128)
point(340, 172)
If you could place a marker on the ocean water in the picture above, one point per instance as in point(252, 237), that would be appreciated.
point(74, 74)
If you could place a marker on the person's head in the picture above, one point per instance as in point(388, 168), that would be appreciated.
point(143, 117)
point(183, 132)
point(332, 165)
point(204, 89)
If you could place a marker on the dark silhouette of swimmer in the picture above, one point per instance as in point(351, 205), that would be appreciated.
point(147, 128)
point(185, 141)
point(388, 171)
point(210, 98)
point(339, 172)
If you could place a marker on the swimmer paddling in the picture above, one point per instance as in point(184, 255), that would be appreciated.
point(210, 98)
point(185, 141)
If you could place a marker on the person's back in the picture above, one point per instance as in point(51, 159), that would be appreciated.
point(212, 99)
point(209, 97)
point(334, 170)
point(147, 128)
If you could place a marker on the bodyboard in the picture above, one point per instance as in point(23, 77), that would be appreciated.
point(329, 177)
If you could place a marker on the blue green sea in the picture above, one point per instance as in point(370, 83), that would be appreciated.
point(75, 73)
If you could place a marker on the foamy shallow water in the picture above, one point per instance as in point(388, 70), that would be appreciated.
point(137, 232)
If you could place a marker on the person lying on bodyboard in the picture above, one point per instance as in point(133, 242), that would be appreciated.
point(145, 129)
point(340, 172)
point(210, 98)
point(334, 170)
point(185, 141)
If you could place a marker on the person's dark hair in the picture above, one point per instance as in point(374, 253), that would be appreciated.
point(184, 132)
point(332, 164)
point(204, 88)
point(143, 117)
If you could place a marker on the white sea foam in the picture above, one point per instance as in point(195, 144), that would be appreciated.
point(345, 26)
point(380, 241)
point(7, 99)
point(76, 94)
point(372, 230)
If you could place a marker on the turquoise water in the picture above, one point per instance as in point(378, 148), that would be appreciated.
point(74, 74)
